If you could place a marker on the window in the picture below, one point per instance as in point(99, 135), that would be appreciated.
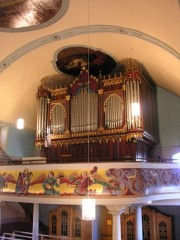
point(64, 223)
point(77, 227)
point(146, 227)
point(54, 224)
point(130, 230)
point(176, 157)
point(162, 231)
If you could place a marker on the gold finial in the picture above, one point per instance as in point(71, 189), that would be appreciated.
point(131, 64)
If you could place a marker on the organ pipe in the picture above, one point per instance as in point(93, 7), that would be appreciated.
point(57, 119)
point(113, 111)
point(84, 111)
point(133, 100)
point(42, 117)
point(38, 113)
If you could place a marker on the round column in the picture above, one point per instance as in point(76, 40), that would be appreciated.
point(116, 226)
point(116, 211)
point(139, 232)
point(35, 221)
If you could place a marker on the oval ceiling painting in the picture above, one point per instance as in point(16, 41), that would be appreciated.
point(18, 14)
point(73, 59)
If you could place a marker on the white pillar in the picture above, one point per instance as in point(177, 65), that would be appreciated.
point(139, 232)
point(116, 226)
point(116, 211)
point(35, 221)
point(94, 230)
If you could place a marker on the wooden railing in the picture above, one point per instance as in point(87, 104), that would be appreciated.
point(19, 235)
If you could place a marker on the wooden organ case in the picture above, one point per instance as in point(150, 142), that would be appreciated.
point(107, 119)
point(155, 225)
point(66, 222)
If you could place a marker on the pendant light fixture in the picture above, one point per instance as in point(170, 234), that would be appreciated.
point(88, 209)
point(20, 120)
point(88, 204)
point(20, 123)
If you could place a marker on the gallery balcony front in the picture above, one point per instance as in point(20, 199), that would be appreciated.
point(122, 182)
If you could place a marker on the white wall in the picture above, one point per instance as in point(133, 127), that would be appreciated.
point(16, 142)
point(169, 124)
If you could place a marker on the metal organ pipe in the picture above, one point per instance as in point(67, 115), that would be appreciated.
point(84, 111)
point(131, 101)
point(41, 122)
point(38, 117)
point(94, 111)
point(58, 119)
point(72, 114)
point(116, 110)
point(87, 112)
point(133, 98)
point(83, 108)
point(113, 112)
point(138, 96)
point(45, 114)
point(127, 105)
point(42, 112)
point(78, 106)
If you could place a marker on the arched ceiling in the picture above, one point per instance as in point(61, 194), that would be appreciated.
point(148, 31)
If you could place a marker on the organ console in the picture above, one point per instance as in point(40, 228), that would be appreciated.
point(110, 118)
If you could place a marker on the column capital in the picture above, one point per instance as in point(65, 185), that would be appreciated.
point(68, 97)
point(138, 205)
point(116, 209)
point(100, 91)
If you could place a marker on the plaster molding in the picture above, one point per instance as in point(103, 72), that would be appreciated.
point(58, 36)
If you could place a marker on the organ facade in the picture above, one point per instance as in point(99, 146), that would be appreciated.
point(104, 118)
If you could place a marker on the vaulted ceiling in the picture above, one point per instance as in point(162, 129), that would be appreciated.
point(36, 35)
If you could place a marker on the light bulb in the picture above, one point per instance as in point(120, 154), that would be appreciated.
point(20, 123)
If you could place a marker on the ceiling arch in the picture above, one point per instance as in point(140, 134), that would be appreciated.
point(82, 30)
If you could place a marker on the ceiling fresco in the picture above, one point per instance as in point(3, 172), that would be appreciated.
point(72, 60)
point(26, 13)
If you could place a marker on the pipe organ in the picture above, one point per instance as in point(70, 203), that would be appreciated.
point(110, 118)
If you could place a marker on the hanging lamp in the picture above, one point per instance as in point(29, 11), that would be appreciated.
point(20, 120)
point(88, 209)
point(20, 123)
